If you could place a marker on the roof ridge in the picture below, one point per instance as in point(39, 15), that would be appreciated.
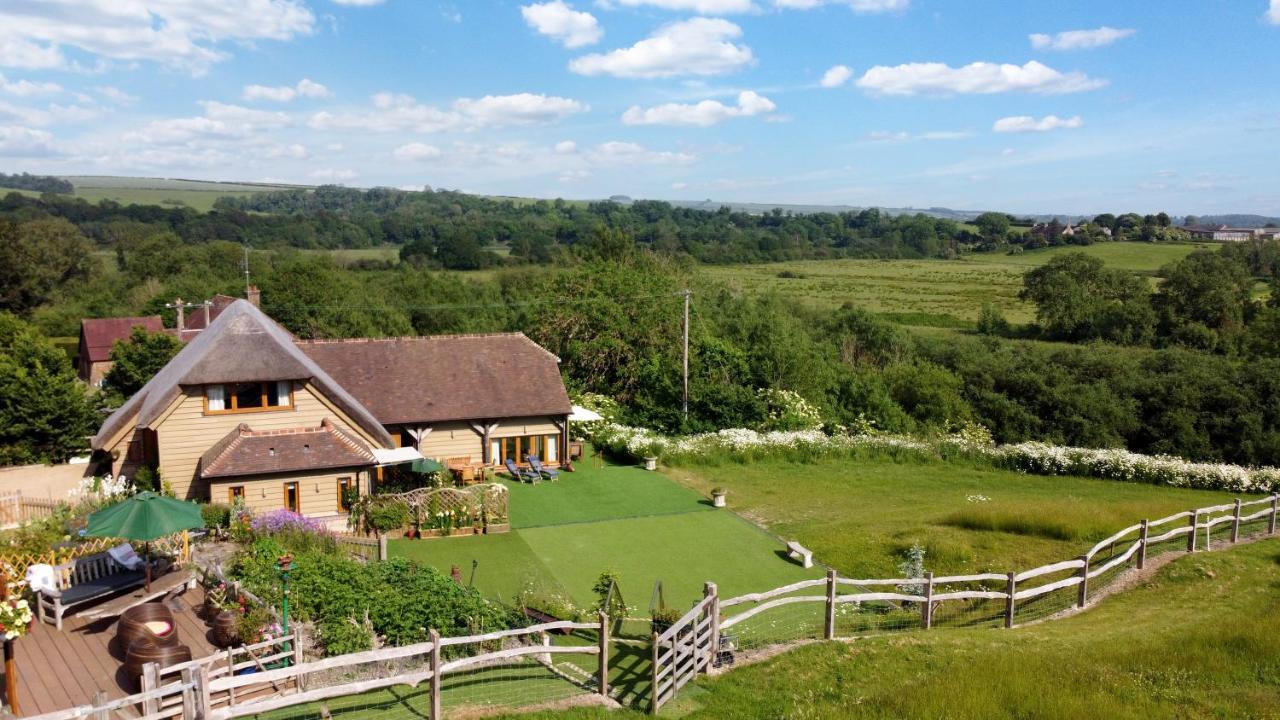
point(397, 338)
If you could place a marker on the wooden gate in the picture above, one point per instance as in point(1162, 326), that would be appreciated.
point(685, 649)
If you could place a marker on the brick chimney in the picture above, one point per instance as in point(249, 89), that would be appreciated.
point(253, 295)
point(204, 314)
point(180, 310)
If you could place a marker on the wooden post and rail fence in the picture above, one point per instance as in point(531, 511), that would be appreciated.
point(212, 689)
point(676, 661)
point(243, 683)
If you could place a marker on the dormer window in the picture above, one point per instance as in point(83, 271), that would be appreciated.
point(248, 397)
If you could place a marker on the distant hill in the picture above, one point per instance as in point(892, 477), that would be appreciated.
point(1247, 221)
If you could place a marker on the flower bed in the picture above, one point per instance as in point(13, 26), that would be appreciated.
point(742, 445)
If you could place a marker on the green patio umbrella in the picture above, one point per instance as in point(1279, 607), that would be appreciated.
point(145, 517)
point(426, 466)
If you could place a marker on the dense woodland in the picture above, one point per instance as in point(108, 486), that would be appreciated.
point(1188, 365)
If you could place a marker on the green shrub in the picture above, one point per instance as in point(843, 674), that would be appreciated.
point(146, 478)
point(340, 636)
point(387, 516)
point(216, 516)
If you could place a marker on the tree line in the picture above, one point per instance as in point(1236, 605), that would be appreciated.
point(36, 183)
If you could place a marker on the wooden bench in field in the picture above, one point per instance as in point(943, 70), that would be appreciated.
point(801, 553)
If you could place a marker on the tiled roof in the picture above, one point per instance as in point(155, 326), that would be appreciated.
point(98, 335)
point(445, 377)
point(246, 452)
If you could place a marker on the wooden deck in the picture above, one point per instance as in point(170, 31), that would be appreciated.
point(59, 670)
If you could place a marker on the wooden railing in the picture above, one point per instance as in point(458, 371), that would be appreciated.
point(211, 689)
point(685, 649)
point(370, 549)
point(1016, 590)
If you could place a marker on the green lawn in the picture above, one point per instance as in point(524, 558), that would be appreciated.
point(609, 517)
point(859, 516)
point(930, 292)
point(1199, 640)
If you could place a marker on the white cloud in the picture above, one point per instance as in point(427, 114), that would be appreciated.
point(416, 151)
point(1273, 13)
point(183, 33)
point(285, 93)
point(53, 114)
point(903, 136)
point(219, 122)
point(334, 175)
point(702, 7)
point(1026, 123)
point(1079, 39)
point(566, 147)
point(358, 3)
point(698, 46)
point(836, 76)
point(628, 153)
point(296, 151)
point(979, 78)
point(561, 22)
point(679, 185)
point(396, 113)
point(518, 109)
point(116, 95)
point(858, 6)
point(27, 88)
point(25, 142)
point(703, 114)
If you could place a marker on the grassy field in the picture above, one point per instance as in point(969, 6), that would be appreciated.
point(930, 291)
point(610, 517)
point(1199, 640)
point(197, 194)
point(860, 516)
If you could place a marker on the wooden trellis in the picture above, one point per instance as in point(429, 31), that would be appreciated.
point(487, 501)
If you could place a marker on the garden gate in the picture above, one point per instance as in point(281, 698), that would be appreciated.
point(686, 648)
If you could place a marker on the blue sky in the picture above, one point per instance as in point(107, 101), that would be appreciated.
point(1068, 107)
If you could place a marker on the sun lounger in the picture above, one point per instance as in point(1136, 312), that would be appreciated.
point(549, 473)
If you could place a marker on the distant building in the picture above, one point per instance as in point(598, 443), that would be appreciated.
point(1222, 233)
point(99, 335)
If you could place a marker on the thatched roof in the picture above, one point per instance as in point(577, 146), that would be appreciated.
point(240, 345)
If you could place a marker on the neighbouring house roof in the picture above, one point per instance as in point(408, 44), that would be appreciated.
point(445, 377)
point(244, 451)
point(241, 345)
point(202, 318)
point(98, 335)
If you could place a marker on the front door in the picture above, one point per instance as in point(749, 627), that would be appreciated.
point(291, 497)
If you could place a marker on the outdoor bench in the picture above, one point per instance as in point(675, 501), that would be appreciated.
point(84, 580)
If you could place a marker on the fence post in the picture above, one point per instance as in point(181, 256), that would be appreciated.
point(829, 628)
point(653, 686)
point(1191, 537)
point(231, 671)
point(150, 681)
point(299, 680)
point(1142, 546)
point(711, 589)
point(434, 637)
point(188, 696)
point(382, 548)
point(100, 699)
point(204, 706)
point(1275, 510)
point(603, 680)
point(1011, 587)
point(1083, 595)
point(1235, 523)
point(926, 609)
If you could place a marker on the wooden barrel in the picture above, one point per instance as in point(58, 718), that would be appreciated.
point(144, 650)
point(133, 625)
point(226, 629)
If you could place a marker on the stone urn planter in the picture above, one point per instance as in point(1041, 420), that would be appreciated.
point(717, 497)
point(651, 463)
point(226, 631)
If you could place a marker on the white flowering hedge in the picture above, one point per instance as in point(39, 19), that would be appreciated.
point(1037, 458)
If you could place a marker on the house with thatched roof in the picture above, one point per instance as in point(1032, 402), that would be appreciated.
point(246, 411)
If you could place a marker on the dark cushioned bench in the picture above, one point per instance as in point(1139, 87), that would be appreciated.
point(83, 580)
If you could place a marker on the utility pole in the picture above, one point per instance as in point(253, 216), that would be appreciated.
point(246, 269)
point(686, 353)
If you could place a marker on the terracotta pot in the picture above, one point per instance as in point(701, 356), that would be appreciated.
point(226, 630)
point(144, 651)
point(138, 622)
